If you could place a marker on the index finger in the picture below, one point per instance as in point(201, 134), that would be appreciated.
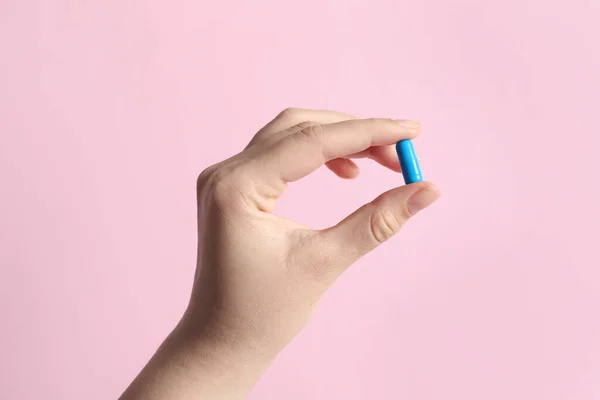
point(302, 152)
point(293, 116)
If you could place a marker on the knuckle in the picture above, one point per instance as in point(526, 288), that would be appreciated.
point(384, 224)
point(311, 131)
point(305, 124)
point(289, 112)
point(311, 137)
point(222, 185)
point(217, 184)
point(204, 179)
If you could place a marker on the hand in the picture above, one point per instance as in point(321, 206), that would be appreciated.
point(259, 276)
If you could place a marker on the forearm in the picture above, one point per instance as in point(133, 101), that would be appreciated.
point(192, 367)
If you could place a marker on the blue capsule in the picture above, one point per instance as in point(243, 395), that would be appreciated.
point(408, 162)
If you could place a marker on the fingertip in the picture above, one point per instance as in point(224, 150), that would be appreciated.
point(426, 185)
point(425, 195)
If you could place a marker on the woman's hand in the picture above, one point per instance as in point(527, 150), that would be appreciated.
point(259, 276)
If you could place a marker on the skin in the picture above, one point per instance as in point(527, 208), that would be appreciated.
point(259, 277)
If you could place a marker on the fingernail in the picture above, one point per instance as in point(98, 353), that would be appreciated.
point(409, 124)
point(421, 199)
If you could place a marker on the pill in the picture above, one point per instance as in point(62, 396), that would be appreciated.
point(408, 161)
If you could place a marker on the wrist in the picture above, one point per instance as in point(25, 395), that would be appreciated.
point(189, 365)
point(228, 362)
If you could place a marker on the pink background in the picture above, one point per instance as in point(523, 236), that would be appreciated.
point(110, 109)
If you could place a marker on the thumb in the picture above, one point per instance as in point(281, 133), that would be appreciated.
point(377, 221)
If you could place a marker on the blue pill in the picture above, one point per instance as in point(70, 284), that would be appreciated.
point(409, 162)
